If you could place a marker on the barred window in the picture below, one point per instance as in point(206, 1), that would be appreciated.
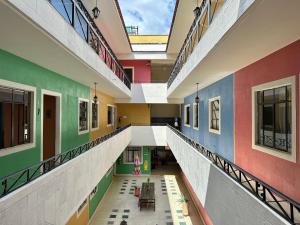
point(274, 118)
point(95, 114)
point(83, 115)
point(110, 115)
point(214, 115)
point(196, 115)
point(16, 117)
point(187, 115)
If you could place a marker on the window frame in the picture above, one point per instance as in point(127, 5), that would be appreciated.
point(88, 118)
point(290, 156)
point(132, 68)
point(113, 116)
point(32, 144)
point(185, 115)
point(194, 117)
point(215, 131)
point(91, 115)
point(124, 155)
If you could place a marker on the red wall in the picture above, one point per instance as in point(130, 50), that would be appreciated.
point(142, 70)
point(196, 201)
point(279, 173)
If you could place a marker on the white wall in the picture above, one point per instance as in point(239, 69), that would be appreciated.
point(53, 198)
point(225, 201)
point(149, 93)
point(148, 136)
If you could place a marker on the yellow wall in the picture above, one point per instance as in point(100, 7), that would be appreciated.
point(81, 219)
point(148, 39)
point(104, 100)
point(138, 114)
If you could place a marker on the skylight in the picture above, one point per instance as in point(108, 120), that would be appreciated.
point(148, 18)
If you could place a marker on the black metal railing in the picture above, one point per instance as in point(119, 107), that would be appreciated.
point(22, 177)
point(75, 13)
point(202, 20)
point(277, 201)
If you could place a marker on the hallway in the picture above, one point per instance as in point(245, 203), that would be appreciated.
point(119, 203)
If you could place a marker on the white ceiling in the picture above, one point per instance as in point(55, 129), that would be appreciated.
point(181, 25)
point(111, 25)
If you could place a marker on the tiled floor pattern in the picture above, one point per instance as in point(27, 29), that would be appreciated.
point(120, 204)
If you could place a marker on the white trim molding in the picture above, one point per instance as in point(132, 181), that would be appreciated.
point(58, 125)
point(22, 147)
point(209, 115)
point(290, 156)
point(194, 118)
point(88, 118)
point(185, 115)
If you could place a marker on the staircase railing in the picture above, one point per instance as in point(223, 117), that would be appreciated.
point(274, 199)
point(203, 19)
point(22, 177)
point(75, 13)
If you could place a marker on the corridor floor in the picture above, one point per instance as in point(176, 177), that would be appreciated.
point(119, 203)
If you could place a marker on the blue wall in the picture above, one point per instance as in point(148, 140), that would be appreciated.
point(219, 143)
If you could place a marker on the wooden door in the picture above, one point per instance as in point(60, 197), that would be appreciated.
point(49, 126)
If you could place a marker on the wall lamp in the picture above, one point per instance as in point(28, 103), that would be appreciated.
point(197, 97)
point(95, 97)
point(96, 11)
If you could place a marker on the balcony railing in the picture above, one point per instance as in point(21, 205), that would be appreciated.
point(22, 177)
point(277, 201)
point(74, 12)
point(203, 19)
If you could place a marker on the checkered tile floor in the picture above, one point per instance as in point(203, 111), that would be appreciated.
point(119, 203)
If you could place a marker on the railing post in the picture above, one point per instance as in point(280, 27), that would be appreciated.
point(208, 12)
point(292, 212)
point(73, 13)
point(27, 175)
point(4, 183)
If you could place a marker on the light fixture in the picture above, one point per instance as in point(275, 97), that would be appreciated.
point(196, 10)
point(96, 11)
point(95, 97)
point(197, 97)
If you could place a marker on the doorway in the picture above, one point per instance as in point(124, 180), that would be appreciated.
point(50, 144)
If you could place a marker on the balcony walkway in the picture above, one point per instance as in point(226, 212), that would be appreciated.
point(118, 203)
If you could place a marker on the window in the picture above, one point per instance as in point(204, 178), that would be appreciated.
point(214, 105)
point(273, 118)
point(16, 117)
point(132, 153)
point(83, 116)
point(111, 115)
point(95, 114)
point(187, 115)
point(130, 73)
point(196, 116)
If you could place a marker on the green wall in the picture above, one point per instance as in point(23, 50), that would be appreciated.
point(128, 168)
point(18, 70)
point(102, 188)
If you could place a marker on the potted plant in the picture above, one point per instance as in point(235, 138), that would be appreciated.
point(185, 206)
